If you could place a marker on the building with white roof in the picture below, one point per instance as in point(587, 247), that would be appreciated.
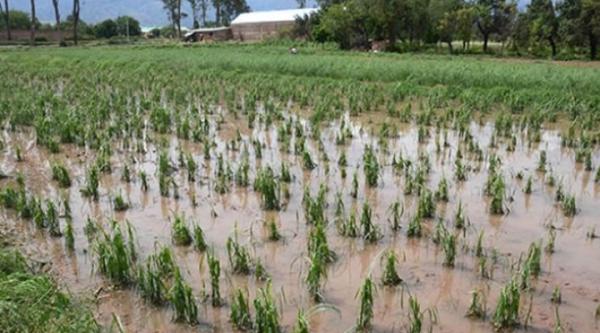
point(260, 25)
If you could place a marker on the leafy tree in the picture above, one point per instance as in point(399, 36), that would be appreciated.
point(494, 17)
point(346, 24)
point(19, 20)
point(465, 18)
point(173, 8)
point(520, 35)
point(590, 24)
point(301, 3)
point(106, 29)
point(128, 26)
point(543, 23)
point(580, 24)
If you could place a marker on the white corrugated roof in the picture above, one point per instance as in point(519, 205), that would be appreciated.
point(273, 16)
point(206, 30)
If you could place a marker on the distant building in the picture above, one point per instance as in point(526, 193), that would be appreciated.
point(208, 34)
point(260, 25)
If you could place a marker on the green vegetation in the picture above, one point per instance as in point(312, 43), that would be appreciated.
point(31, 301)
point(365, 314)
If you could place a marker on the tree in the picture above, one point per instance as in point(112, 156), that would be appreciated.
point(58, 27)
point(590, 24)
point(128, 26)
point(203, 9)
point(231, 9)
point(520, 35)
point(195, 4)
point(301, 3)
point(465, 18)
point(106, 29)
point(580, 24)
point(75, 15)
point(494, 16)
point(447, 27)
point(543, 23)
point(173, 8)
point(32, 37)
point(7, 20)
point(346, 24)
point(218, 5)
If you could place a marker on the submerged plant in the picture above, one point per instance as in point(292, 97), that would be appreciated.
point(115, 255)
point(240, 311)
point(390, 275)
point(183, 301)
point(180, 233)
point(199, 239)
point(268, 187)
point(396, 211)
point(371, 166)
point(239, 258)
point(61, 175)
point(91, 184)
point(365, 313)
point(476, 309)
point(414, 227)
point(214, 268)
point(266, 317)
point(507, 309)
point(415, 316)
point(449, 247)
point(568, 205)
point(497, 193)
point(119, 203)
point(274, 234)
point(370, 231)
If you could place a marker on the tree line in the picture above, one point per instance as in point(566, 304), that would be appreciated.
point(224, 12)
point(542, 27)
point(9, 21)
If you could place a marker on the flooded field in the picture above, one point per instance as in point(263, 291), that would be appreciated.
point(432, 218)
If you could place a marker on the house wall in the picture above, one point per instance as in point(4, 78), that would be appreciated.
point(258, 31)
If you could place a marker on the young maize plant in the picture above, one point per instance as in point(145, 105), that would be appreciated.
point(476, 308)
point(415, 316)
point(507, 308)
point(397, 211)
point(180, 233)
point(266, 315)
point(390, 275)
point(214, 268)
point(239, 257)
point(153, 277)
point(61, 175)
point(415, 226)
point(370, 231)
point(371, 166)
point(115, 255)
point(183, 301)
point(365, 313)
point(269, 188)
point(240, 311)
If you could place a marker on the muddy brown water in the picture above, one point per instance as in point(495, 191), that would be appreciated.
point(574, 267)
